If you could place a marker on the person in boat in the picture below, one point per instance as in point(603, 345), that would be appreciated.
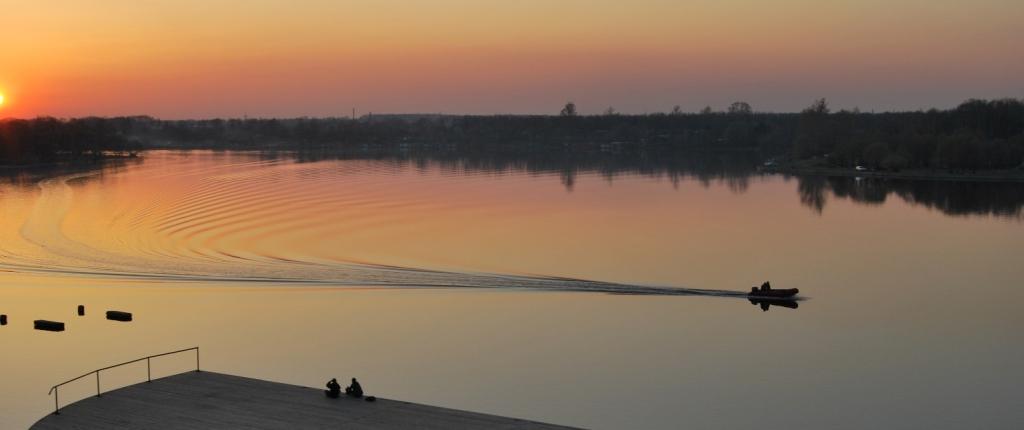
point(354, 390)
point(333, 389)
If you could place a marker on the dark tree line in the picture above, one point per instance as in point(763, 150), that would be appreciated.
point(976, 135)
point(47, 140)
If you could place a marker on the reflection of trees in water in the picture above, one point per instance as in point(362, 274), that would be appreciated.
point(967, 198)
point(732, 169)
point(29, 176)
point(871, 192)
point(1005, 199)
point(812, 192)
point(568, 176)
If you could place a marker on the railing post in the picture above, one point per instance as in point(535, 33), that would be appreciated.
point(149, 372)
point(97, 383)
point(56, 402)
point(197, 359)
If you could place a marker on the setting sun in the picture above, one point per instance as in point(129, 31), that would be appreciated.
point(1, 99)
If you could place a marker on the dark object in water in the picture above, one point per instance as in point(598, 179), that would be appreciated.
point(766, 291)
point(371, 398)
point(49, 325)
point(767, 303)
point(3, 319)
point(81, 310)
point(119, 316)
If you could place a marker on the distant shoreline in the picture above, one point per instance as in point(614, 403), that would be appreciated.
point(793, 168)
point(71, 162)
point(917, 174)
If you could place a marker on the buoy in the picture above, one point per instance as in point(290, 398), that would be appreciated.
point(49, 325)
point(81, 310)
point(119, 316)
point(3, 319)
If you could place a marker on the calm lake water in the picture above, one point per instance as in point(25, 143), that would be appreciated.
point(592, 297)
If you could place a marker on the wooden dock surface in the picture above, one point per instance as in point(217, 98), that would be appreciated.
point(208, 400)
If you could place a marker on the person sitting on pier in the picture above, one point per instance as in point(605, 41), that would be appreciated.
point(766, 286)
point(354, 390)
point(333, 388)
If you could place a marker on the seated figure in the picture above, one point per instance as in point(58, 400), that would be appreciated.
point(354, 390)
point(333, 389)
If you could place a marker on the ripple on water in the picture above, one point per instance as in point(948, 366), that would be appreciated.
point(241, 219)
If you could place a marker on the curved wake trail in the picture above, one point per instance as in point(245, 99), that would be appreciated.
point(48, 249)
point(403, 278)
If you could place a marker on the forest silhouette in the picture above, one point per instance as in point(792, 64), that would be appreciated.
point(978, 135)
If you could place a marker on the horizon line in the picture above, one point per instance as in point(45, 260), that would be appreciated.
point(246, 117)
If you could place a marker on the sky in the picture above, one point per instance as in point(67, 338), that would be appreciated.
point(262, 58)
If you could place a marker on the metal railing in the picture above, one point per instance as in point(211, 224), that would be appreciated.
point(149, 375)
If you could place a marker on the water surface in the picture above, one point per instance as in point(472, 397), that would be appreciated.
point(485, 286)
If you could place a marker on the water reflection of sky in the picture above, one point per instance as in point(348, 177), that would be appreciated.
point(911, 313)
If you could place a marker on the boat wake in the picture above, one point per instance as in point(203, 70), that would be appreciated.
point(215, 230)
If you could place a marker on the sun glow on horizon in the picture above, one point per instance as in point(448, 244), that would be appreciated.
point(1, 99)
point(201, 59)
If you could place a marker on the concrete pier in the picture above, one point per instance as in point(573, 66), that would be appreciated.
point(206, 400)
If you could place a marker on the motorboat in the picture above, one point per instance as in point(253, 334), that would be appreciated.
point(767, 292)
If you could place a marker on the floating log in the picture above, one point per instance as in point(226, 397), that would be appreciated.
point(3, 319)
point(49, 325)
point(119, 316)
point(81, 310)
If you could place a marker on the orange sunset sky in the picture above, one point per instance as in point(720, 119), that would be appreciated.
point(211, 58)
